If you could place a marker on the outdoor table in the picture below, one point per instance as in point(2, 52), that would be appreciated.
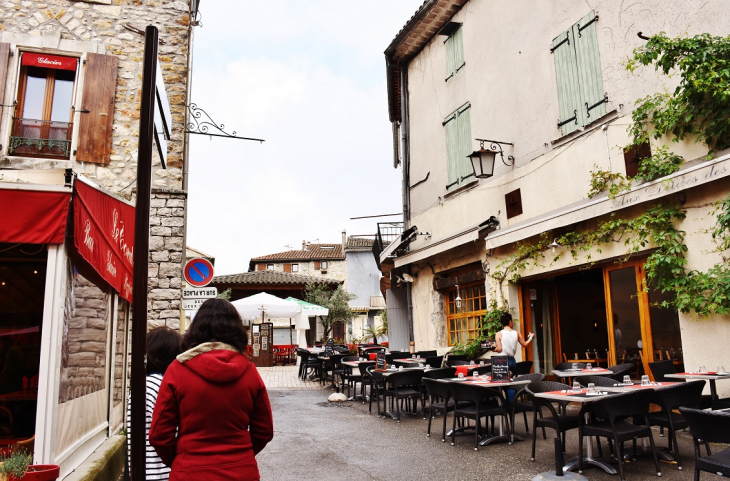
point(409, 362)
point(500, 385)
point(581, 397)
point(389, 372)
point(711, 376)
point(570, 373)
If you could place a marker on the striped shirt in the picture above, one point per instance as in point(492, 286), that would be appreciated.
point(155, 469)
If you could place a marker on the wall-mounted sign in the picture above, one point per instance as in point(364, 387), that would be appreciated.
point(192, 304)
point(500, 368)
point(200, 293)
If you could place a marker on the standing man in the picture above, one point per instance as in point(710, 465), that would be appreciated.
point(507, 340)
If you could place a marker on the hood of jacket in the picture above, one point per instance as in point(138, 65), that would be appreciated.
point(215, 362)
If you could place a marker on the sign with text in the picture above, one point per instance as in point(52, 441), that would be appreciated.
point(198, 272)
point(200, 293)
point(192, 304)
point(500, 368)
point(380, 362)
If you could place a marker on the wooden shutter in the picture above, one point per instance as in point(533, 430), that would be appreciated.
point(95, 127)
point(463, 126)
point(316, 265)
point(260, 267)
point(452, 148)
point(287, 267)
point(588, 60)
point(566, 72)
point(458, 46)
point(4, 59)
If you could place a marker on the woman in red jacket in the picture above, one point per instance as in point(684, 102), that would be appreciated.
point(212, 414)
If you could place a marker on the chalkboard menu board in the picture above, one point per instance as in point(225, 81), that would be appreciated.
point(500, 368)
point(380, 364)
point(329, 348)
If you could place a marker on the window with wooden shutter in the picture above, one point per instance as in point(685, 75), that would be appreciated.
point(287, 267)
point(95, 126)
point(579, 78)
point(454, 53)
point(458, 147)
point(316, 265)
point(260, 267)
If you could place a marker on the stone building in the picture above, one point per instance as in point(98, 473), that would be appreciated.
point(550, 92)
point(325, 260)
point(70, 79)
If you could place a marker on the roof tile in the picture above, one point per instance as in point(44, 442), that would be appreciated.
point(271, 277)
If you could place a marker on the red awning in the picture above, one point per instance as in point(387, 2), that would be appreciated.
point(104, 235)
point(49, 61)
point(33, 217)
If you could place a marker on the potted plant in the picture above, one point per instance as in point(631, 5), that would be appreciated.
point(18, 466)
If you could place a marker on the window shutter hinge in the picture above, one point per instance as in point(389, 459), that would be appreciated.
point(580, 29)
point(574, 117)
point(604, 100)
point(567, 39)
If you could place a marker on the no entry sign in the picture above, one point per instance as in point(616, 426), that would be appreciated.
point(198, 272)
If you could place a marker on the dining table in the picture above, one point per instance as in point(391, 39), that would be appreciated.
point(573, 373)
point(711, 376)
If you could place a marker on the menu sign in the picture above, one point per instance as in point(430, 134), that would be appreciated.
point(380, 363)
point(500, 368)
point(329, 348)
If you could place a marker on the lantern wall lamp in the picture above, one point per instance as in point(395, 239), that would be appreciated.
point(482, 160)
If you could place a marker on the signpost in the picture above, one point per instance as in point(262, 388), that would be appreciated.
point(198, 272)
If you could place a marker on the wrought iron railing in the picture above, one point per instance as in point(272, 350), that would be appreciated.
point(41, 138)
point(387, 232)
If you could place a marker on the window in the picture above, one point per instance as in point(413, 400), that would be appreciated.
point(269, 267)
point(466, 322)
point(323, 265)
point(581, 98)
point(454, 53)
point(42, 124)
point(295, 267)
point(458, 147)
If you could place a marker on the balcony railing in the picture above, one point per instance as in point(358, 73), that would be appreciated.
point(387, 232)
point(41, 138)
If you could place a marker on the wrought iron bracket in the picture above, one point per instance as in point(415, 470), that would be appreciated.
point(201, 123)
point(581, 28)
point(604, 100)
point(566, 39)
point(496, 146)
point(567, 121)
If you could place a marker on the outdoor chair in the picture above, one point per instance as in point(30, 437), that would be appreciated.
point(435, 361)
point(307, 365)
point(403, 386)
point(596, 380)
point(554, 419)
point(476, 402)
point(660, 369)
point(332, 369)
point(365, 379)
point(620, 370)
point(523, 367)
point(564, 366)
point(485, 369)
point(671, 398)
point(425, 354)
point(456, 357)
point(518, 404)
point(400, 354)
point(609, 420)
point(441, 373)
point(709, 427)
point(376, 387)
point(439, 401)
point(350, 378)
point(456, 362)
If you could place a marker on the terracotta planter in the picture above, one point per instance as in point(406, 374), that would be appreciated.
point(39, 472)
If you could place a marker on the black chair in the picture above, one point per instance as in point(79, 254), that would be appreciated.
point(456, 362)
point(552, 419)
point(660, 369)
point(476, 402)
point(435, 361)
point(400, 355)
point(439, 401)
point(596, 380)
point(349, 377)
point(425, 354)
point(442, 373)
point(564, 366)
point(609, 420)
point(669, 399)
point(365, 379)
point(377, 385)
point(403, 386)
point(520, 406)
point(332, 369)
point(486, 369)
point(308, 366)
point(621, 370)
point(523, 367)
point(709, 427)
point(456, 357)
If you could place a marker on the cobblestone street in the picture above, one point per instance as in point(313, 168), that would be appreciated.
point(318, 441)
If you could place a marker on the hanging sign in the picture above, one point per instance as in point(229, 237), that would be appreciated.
point(198, 272)
point(31, 59)
point(500, 368)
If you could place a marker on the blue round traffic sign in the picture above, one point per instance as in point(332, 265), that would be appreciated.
point(198, 272)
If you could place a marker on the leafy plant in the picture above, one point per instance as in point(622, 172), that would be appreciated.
point(471, 347)
point(225, 294)
point(491, 324)
point(16, 464)
point(602, 179)
point(336, 301)
point(661, 163)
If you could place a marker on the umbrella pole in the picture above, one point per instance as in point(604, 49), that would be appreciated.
point(291, 340)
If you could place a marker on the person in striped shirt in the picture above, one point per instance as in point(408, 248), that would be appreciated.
point(163, 345)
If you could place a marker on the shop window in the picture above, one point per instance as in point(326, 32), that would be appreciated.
point(465, 321)
point(458, 147)
point(581, 98)
point(42, 124)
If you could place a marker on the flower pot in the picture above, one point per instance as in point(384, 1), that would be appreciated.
point(39, 472)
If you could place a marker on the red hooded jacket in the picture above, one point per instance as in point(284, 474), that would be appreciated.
point(212, 415)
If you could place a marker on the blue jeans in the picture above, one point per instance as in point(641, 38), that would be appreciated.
point(512, 365)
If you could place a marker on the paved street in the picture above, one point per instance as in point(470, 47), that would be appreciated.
point(335, 443)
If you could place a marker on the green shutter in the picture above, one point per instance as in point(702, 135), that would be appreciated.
point(450, 60)
point(452, 150)
point(590, 76)
point(566, 73)
point(466, 172)
point(458, 43)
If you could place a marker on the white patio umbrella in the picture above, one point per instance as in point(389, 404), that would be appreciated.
point(302, 323)
point(266, 306)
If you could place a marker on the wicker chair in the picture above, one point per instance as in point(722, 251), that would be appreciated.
point(349, 377)
point(439, 401)
point(609, 421)
point(564, 366)
point(669, 399)
point(660, 369)
point(620, 370)
point(519, 406)
point(596, 380)
point(456, 362)
point(476, 402)
point(365, 379)
point(377, 384)
point(435, 361)
point(709, 427)
point(552, 419)
point(523, 367)
point(403, 386)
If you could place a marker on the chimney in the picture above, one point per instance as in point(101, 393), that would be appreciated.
point(344, 240)
point(304, 245)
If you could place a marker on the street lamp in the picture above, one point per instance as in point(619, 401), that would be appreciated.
point(482, 160)
point(458, 298)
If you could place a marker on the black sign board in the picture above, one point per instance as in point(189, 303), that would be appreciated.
point(500, 368)
point(380, 364)
point(329, 348)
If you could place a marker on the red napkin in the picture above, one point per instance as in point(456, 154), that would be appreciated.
point(372, 356)
point(462, 370)
point(594, 370)
point(567, 393)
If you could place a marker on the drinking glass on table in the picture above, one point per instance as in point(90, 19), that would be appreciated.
point(418, 357)
point(589, 366)
point(644, 380)
point(721, 369)
point(627, 380)
point(703, 369)
point(471, 363)
point(574, 367)
point(576, 387)
point(461, 375)
point(481, 363)
point(413, 356)
point(591, 388)
point(475, 376)
point(483, 378)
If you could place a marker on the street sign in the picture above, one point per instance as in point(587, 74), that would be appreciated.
point(198, 272)
point(200, 293)
point(192, 304)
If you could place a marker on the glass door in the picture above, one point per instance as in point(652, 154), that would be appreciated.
point(540, 318)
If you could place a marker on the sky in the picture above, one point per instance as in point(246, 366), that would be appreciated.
point(309, 78)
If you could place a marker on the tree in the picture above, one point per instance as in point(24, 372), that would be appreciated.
point(336, 301)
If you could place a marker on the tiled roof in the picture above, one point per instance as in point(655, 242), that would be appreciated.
point(271, 277)
point(359, 244)
point(313, 252)
point(191, 253)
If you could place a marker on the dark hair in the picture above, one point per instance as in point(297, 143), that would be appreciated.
point(505, 318)
point(163, 346)
point(217, 320)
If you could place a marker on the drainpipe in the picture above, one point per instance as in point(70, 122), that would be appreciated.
point(406, 163)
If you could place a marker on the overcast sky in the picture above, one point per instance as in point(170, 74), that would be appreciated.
point(309, 78)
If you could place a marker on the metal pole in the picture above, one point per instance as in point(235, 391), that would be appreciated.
point(141, 254)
